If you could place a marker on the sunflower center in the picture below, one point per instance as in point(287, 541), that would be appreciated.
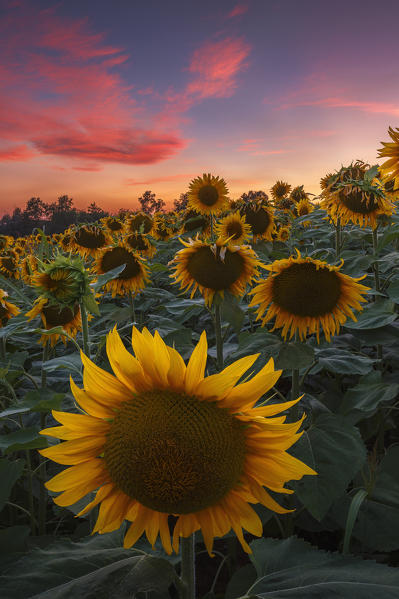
point(141, 221)
point(136, 242)
point(90, 239)
point(210, 271)
point(114, 225)
point(304, 290)
point(259, 220)
point(208, 195)
point(357, 202)
point(56, 317)
point(174, 453)
point(118, 256)
point(234, 229)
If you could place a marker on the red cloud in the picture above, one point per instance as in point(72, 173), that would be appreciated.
point(238, 10)
point(20, 153)
point(166, 178)
point(60, 94)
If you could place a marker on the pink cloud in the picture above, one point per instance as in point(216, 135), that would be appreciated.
point(164, 179)
point(60, 94)
point(238, 10)
point(19, 153)
point(89, 168)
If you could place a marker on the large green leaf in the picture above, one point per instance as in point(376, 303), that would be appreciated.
point(374, 316)
point(335, 450)
point(96, 568)
point(295, 356)
point(25, 438)
point(294, 569)
point(341, 361)
point(363, 400)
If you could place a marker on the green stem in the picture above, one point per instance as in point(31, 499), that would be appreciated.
point(85, 329)
point(211, 218)
point(132, 310)
point(338, 239)
point(44, 359)
point(375, 265)
point(42, 491)
point(219, 338)
point(3, 347)
point(188, 566)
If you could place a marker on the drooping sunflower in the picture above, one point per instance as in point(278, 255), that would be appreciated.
point(260, 217)
point(139, 223)
point(298, 194)
point(208, 195)
point(64, 280)
point(113, 224)
point(357, 201)
point(133, 278)
point(234, 228)
point(192, 221)
point(9, 265)
point(214, 268)
point(139, 242)
point(283, 234)
point(280, 190)
point(158, 438)
point(56, 315)
point(390, 150)
point(28, 266)
point(306, 294)
point(303, 207)
point(89, 240)
point(7, 309)
point(161, 229)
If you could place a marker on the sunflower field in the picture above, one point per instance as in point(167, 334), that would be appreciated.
point(204, 403)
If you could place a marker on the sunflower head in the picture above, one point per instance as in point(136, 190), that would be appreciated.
point(208, 195)
point(280, 190)
point(7, 310)
point(192, 221)
point(298, 194)
point(133, 278)
point(139, 223)
point(303, 208)
point(390, 150)
point(113, 224)
point(56, 315)
point(161, 230)
point(158, 438)
point(260, 217)
point(139, 242)
point(63, 280)
point(356, 171)
point(233, 228)
point(214, 268)
point(9, 265)
point(283, 234)
point(88, 240)
point(304, 295)
point(4, 242)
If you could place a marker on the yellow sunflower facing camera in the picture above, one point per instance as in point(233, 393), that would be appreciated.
point(208, 195)
point(234, 228)
point(157, 438)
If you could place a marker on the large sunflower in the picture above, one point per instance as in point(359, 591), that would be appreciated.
point(390, 150)
point(160, 439)
point(208, 195)
point(234, 228)
point(56, 315)
point(214, 268)
point(133, 278)
point(260, 217)
point(305, 294)
point(7, 310)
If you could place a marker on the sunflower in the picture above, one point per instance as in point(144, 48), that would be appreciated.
point(7, 310)
point(280, 190)
point(9, 265)
point(283, 234)
point(214, 268)
point(359, 202)
point(133, 278)
point(208, 195)
point(303, 293)
point(28, 266)
point(139, 223)
point(5, 242)
point(56, 315)
point(192, 221)
point(260, 218)
point(89, 240)
point(159, 439)
point(64, 280)
point(113, 224)
point(298, 194)
point(390, 150)
point(161, 230)
point(303, 207)
point(234, 228)
point(139, 242)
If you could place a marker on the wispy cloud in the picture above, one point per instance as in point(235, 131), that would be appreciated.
point(19, 153)
point(238, 10)
point(162, 179)
point(255, 147)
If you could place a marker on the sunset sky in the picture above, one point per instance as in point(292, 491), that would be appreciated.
point(102, 100)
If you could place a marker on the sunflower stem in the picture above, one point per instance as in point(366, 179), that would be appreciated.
point(211, 215)
point(188, 566)
point(85, 329)
point(3, 348)
point(44, 359)
point(132, 310)
point(338, 239)
point(219, 338)
point(375, 265)
point(42, 468)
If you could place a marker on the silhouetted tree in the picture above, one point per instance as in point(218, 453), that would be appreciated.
point(181, 202)
point(149, 203)
point(254, 196)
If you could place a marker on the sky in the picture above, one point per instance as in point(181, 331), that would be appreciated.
point(104, 100)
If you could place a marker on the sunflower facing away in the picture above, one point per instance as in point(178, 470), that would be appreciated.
point(133, 278)
point(139, 223)
point(234, 228)
point(139, 242)
point(390, 150)
point(208, 195)
point(56, 315)
point(158, 438)
point(88, 240)
point(305, 294)
point(260, 217)
point(7, 310)
point(214, 268)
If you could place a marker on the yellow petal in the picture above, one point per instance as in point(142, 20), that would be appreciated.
point(218, 385)
point(102, 386)
point(75, 451)
point(125, 366)
point(76, 475)
point(196, 365)
point(177, 370)
point(90, 405)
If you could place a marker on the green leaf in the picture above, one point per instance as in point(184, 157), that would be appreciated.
point(374, 316)
point(10, 472)
point(393, 291)
point(13, 540)
point(69, 362)
point(107, 276)
point(241, 580)
point(295, 355)
point(26, 438)
point(364, 399)
point(91, 304)
point(232, 313)
point(42, 400)
point(335, 359)
point(292, 568)
point(95, 568)
point(325, 447)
